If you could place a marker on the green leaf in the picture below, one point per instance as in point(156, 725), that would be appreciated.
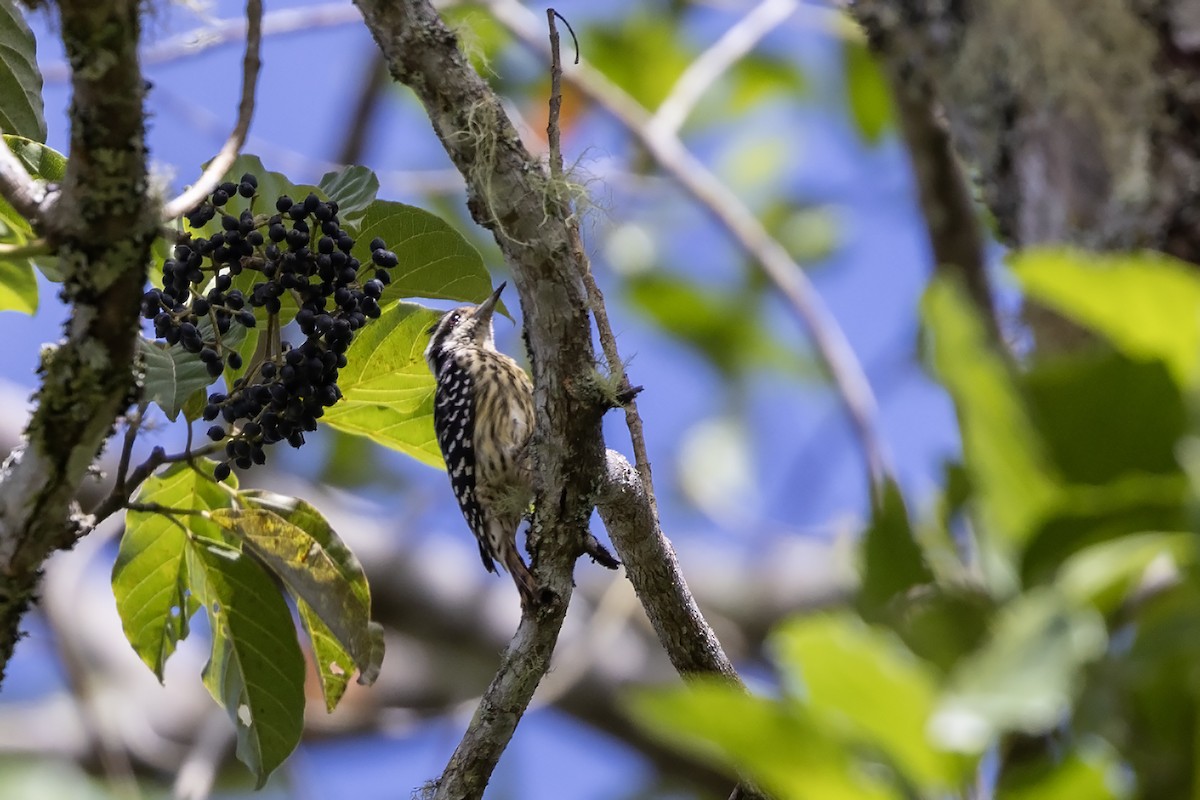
point(867, 91)
point(866, 684)
point(1025, 677)
point(1086, 515)
point(892, 561)
point(435, 260)
point(642, 52)
point(150, 578)
point(40, 160)
point(18, 286)
point(354, 189)
point(1104, 574)
point(1094, 773)
point(173, 375)
point(1146, 304)
point(296, 543)
point(776, 744)
point(387, 389)
point(21, 110)
point(1015, 485)
point(256, 669)
point(725, 326)
point(1103, 416)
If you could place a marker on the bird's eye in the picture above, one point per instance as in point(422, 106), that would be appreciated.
point(455, 317)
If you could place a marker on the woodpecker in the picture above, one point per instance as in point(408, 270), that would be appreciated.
point(483, 417)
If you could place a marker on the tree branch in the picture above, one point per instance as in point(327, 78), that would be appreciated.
point(103, 225)
point(507, 193)
point(953, 224)
point(216, 169)
point(19, 188)
point(789, 279)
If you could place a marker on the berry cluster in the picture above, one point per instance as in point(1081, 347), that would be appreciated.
point(253, 263)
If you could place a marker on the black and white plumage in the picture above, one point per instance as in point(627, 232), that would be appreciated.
point(483, 417)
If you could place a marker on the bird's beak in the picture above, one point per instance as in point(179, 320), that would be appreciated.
point(485, 309)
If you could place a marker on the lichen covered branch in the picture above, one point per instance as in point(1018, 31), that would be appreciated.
point(103, 224)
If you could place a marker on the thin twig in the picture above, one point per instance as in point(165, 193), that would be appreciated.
point(133, 423)
point(608, 341)
point(714, 62)
point(118, 498)
point(211, 177)
point(829, 341)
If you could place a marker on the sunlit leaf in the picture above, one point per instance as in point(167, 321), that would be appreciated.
point(1026, 675)
point(1105, 573)
point(387, 389)
point(296, 543)
point(1004, 458)
point(864, 682)
point(642, 52)
point(777, 744)
point(1146, 304)
point(18, 286)
point(150, 578)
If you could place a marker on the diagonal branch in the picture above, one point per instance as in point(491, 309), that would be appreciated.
point(702, 73)
point(777, 264)
point(510, 193)
point(216, 169)
point(16, 185)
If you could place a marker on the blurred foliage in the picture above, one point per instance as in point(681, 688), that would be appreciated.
point(1047, 651)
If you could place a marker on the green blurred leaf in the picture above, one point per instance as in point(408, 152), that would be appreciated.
point(1086, 515)
point(18, 286)
point(150, 578)
point(758, 77)
point(642, 52)
point(866, 683)
point(1094, 773)
point(354, 189)
point(1103, 575)
point(387, 389)
point(21, 110)
point(296, 543)
point(1146, 304)
point(435, 260)
point(256, 669)
point(1014, 484)
point(867, 92)
point(1102, 416)
point(777, 744)
point(892, 561)
point(721, 325)
point(1026, 675)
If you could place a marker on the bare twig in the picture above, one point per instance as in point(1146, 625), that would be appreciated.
point(211, 177)
point(118, 498)
point(704, 71)
point(777, 264)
